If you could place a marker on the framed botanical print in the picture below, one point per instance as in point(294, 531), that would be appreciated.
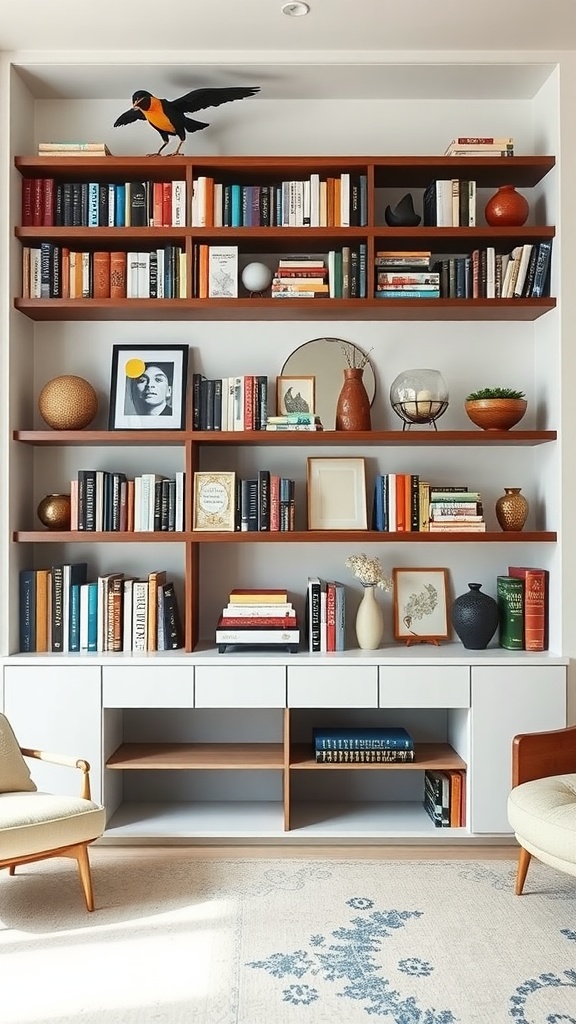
point(421, 605)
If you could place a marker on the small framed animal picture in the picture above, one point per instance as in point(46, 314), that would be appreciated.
point(148, 387)
point(295, 394)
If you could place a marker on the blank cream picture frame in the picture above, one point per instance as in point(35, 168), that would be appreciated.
point(336, 493)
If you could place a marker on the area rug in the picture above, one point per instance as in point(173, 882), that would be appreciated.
point(288, 941)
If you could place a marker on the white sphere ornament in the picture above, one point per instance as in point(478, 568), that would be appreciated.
point(256, 277)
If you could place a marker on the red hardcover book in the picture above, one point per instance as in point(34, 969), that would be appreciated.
point(37, 202)
point(166, 203)
point(117, 275)
point(274, 502)
point(101, 275)
point(27, 190)
point(157, 204)
point(330, 617)
point(535, 606)
point(257, 622)
point(48, 190)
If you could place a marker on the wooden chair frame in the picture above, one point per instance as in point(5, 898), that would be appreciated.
point(538, 755)
point(79, 851)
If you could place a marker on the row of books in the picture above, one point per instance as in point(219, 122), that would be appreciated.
point(265, 503)
point(339, 201)
point(335, 745)
point(445, 797)
point(450, 203)
point(522, 597)
point(51, 271)
point(256, 618)
point(92, 204)
point(102, 501)
point(325, 615)
point(487, 274)
point(229, 403)
point(407, 283)
point(61, 611)
point(403, 502)
point(215, 271)
point(474, 145)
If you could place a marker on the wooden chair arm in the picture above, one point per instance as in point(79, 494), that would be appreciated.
point(537, 755)
point(67, 762)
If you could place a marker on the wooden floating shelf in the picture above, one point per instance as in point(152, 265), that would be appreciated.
point(281, 537)
point(435, 756)
point(284, 309)
point(416, 437)
point(183, 756)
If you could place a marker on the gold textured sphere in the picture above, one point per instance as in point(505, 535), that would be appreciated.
point(54, 511)
point(68, 403)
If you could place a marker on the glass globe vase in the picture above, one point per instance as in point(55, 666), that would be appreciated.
point(419, 396)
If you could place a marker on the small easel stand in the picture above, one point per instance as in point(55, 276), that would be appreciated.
point(419, 640)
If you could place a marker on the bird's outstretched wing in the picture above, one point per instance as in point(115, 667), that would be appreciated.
point(129, 116)
point(199, 99)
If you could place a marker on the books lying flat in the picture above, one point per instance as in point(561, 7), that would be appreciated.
point(252, 636)
point(257, 622)
point(258, 597)
point(364, 756)
point(256, 611)
point(362, 739)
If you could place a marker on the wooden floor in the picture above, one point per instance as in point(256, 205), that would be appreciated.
point(100, 854)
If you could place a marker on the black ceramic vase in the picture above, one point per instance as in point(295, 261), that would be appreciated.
point(403, 214)
point(475, 618)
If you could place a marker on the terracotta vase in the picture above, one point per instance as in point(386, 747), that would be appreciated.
point(369, 621)
point(507, 208)
point(353, 407)
point(512, 509)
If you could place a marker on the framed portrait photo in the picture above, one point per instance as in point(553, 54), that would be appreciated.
point(148, 387)
point(336, 490)
point(295, 394)
point(421, 605)
point(214, 501)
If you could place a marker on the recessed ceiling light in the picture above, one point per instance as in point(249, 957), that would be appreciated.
point(296, 9)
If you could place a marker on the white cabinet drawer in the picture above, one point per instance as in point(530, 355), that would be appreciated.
point(319, 686)
point(425, 686)
point(240, 686)
point(148, 686)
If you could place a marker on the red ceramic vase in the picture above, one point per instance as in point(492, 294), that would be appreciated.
point(353, 408)
point(507, 208)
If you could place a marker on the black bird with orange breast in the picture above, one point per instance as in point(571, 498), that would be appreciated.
point(168, 117)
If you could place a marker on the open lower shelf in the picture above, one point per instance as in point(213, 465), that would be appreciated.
point(254, 756)
point(263, 820)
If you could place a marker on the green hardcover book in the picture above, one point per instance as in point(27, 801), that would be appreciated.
point(510, 598)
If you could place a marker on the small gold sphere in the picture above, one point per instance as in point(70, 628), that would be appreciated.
point(54, 511)
point(68, 403)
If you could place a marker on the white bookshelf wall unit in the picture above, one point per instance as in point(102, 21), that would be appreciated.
point(195, 746)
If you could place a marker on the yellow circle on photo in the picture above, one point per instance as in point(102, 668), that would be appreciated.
point(134, 368)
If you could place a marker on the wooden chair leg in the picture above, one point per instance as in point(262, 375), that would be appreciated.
point(12, 869)
point(81, 854)
point(524, 859)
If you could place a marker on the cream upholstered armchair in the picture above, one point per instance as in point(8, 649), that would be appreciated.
point(542, 803)
point(35, 826)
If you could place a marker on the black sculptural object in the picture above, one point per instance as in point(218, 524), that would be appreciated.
point(403, 214)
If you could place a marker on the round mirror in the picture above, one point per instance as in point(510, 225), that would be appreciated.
point(325, 359)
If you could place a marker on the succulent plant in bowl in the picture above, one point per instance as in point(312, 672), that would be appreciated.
point(495, 408)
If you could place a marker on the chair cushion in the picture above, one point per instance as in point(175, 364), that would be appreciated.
point(14, 772)
point(543, 812)
point(33, 823)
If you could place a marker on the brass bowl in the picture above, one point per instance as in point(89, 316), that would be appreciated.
point(68, 403)
point(54, 511)
point(496, 413)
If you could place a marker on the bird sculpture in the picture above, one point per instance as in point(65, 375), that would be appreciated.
point(168, 117)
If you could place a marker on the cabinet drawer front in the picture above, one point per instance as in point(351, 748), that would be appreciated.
point(425, 686)
point(239, 686)
point(148, 686)
point(321, 686)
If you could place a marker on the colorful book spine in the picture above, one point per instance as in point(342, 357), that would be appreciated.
point(535, 606)
point(363, 739)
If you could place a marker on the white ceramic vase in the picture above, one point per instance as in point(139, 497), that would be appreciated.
point(369, 621)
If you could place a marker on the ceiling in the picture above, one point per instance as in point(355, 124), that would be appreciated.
point(259, 29)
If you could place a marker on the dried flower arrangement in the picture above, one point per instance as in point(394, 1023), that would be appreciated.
point(350, 353)
point(369, 571)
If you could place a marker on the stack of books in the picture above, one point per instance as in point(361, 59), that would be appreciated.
point(445, 797)
point(258, 618)
point(405, 275)
point(294, 421)
point(487, 145)
point(363, 746)
point(89, 149)
point(300, 278)
point(456, 510)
